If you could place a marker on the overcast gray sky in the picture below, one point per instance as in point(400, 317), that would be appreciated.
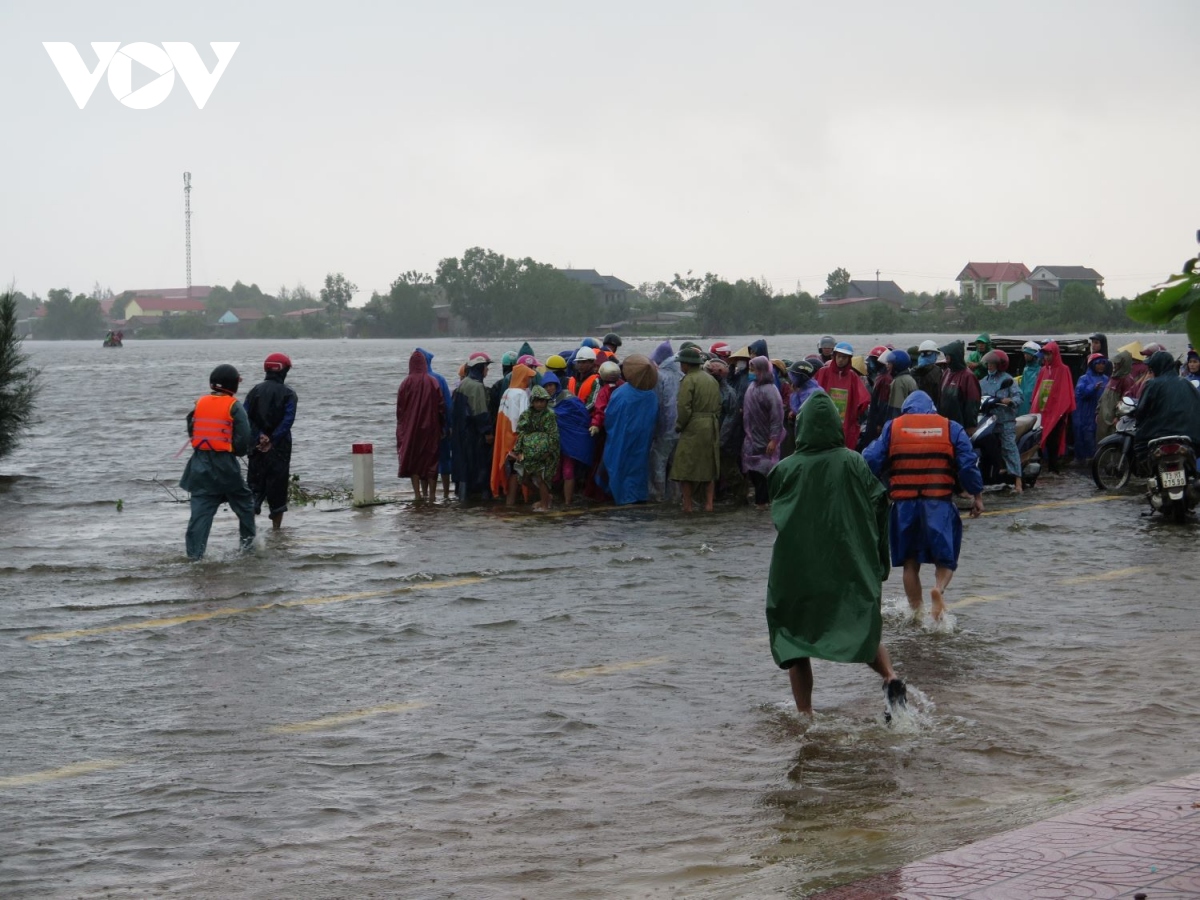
point(750, 139)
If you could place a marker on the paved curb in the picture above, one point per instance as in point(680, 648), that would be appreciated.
point(1147, 842)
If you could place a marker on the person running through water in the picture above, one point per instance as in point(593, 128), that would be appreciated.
point(271, 407)
point(220, 432)
point(830, 558)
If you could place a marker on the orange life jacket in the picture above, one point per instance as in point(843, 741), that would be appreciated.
point(212, 423)
point(921, 458)
point(584, 390)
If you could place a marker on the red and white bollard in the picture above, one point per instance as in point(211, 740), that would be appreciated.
point(364, 473)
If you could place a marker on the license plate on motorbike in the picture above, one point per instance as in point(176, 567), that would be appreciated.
point(1173, 479)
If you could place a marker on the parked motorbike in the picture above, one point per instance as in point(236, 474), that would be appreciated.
point(986, 441)
point(1114, 463)
point(1172, 487)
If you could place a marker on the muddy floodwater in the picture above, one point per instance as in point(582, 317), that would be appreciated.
point(472, 702)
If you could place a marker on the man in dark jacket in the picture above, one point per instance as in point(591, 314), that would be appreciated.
point(960, 396)
point(271, 406)
point(1168, 405)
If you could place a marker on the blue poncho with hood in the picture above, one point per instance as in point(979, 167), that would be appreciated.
point(444, 445)
point(629, 424)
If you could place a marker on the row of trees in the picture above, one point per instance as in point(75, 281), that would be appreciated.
point(18, 379)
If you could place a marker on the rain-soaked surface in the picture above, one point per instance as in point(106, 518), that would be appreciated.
point(471, 702)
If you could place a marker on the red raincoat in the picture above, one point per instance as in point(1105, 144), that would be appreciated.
point(1054, 394)
point(420, 420)
point(845, 387)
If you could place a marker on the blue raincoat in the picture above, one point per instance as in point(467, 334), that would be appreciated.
point(444, 444)
point(665, 437)
point(929, 531)
point(629, 423)
point(573, 421)
point(1088, 390)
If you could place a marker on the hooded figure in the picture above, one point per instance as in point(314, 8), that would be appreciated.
point(1120, 383)
point(573, 423)
point(1168, 405)
point(514, 402)
point(1054, 398)
point(444, 445)
point(879, 381)
point(698, 415)
point(496, 391)
point(537, 443)
point(420, 423)
point(762, 417)
point(903, 383)
point(471, 430)
point(998, 384)
point(1191, 368)
point(960, 389)
point(975, 357)
point(925, 526)
point(849, 394)
point(629, 424)
point(927, 374)
point(665, 435)
point(1088, 391)
point(830, 557)
point(1029, 374)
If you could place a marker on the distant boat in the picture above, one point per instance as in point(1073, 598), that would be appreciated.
point(113, 341)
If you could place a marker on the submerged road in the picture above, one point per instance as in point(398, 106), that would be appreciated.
point(472, 702)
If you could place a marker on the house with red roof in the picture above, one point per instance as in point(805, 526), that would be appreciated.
point(995, 283)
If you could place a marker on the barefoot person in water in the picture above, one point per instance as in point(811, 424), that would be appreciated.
point(919, 454)
point(830, 557)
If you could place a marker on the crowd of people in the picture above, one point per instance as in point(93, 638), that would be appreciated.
point(869, 451)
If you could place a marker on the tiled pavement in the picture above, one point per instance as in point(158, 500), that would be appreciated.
point(1144, 843)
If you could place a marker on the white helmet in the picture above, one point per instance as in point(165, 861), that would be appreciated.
point(928, 347)
point(585, 353)
point(1031, 347)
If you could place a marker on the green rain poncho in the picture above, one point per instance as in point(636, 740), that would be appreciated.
point(831, 546)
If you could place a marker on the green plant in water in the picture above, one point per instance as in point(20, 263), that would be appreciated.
point(120, 505)
point(1177, 296)
point(300, 495)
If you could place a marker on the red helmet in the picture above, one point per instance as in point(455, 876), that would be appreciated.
point(277, 362)
point(720, 350)
point(878, 351)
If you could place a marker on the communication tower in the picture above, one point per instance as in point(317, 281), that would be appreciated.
point(187, 226)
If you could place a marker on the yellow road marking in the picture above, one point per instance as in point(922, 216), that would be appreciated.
point(346, 717)
point(610, 669)
point(72, 771)
point(1055, 504)
point(227, 611)
point(1114, 575)
point(971, 600)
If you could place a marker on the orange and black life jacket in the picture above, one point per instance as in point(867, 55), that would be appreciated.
point(212, 423)
point(584, 390)
point(921, 458)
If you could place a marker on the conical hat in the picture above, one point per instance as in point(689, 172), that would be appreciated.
point(1134, 349)
point(858, 365)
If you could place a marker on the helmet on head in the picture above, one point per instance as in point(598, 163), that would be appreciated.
point(590, 342)
point(481, 359)
point(877, 351)
point(277, 362)
point(843, 347)
point(801, 370)
point(527, 360)
point(612, 339)
point(556, 363)
point(609, 371)
point(826, 343)
point(508, 359)
point(224, 378)
point(997, 357)
point(585, 354)
point(900, 359)
point(928, 347)
point(1031, 347)
point(720, 349)
point(1150, 349)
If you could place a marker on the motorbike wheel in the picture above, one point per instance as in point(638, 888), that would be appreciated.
point(1179, 512)
point(1111, 468)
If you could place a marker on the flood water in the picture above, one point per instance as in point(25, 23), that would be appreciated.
point(473, 702)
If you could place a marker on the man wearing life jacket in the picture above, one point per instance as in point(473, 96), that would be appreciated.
point(271, 409)
point(586, 381)
point(220, 432)
point(921, 455)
